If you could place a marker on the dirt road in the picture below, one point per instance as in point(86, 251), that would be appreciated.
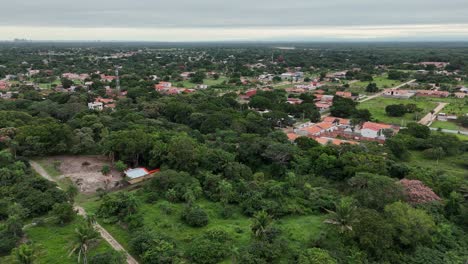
point(427, 119)
point(81, 211)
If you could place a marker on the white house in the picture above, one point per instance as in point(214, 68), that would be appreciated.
point(374, 130)
point(96, 106)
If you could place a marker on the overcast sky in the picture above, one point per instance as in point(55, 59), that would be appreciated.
point(206, 20)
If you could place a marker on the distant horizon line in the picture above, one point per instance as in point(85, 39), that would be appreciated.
point(18, 41)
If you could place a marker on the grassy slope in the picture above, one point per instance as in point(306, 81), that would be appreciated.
point(54, 242)
point(377, 108)
point(451, 165)
point(298, 228)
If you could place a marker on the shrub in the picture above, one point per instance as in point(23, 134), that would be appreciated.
point(63, 213)
point(211, 247)
point(195, 216)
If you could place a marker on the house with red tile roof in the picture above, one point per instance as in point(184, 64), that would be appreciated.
point(334, 141)
point(108, 78)
point(4, 85)
point(344, 94)
point(375, 130)
point(294, 101)
point(292, 136)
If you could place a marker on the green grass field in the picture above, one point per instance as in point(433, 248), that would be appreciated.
point(381, 81)
point(209, 82)
point(298, 228)
point(447, 125)
point(456, 106)
point(377, 108)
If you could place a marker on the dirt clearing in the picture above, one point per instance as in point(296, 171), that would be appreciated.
point(85, 172)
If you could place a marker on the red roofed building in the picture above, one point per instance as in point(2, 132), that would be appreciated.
point(374, 130)
point(416, 192)
point(344, 94)
point(108, 78)
point(4, 85)
point(162, 85)
point(322, 106)
point(294, 101)
point(337, 120)
point(334, 141)
point(292, 136)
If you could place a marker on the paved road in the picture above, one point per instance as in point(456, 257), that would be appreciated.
point(427, 119)
point(81, 211)
point(380, 93)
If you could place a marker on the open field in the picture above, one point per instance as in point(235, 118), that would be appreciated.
point(377, 108)
point(447, 125)
point(208, 81)
point(83, 171)
point(450, 165)
point(164, 218)
point(381, 81)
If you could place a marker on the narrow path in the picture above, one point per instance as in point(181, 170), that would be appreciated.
point(81, 211)
point(427, 119)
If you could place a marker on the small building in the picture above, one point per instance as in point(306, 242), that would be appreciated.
point(396, 93)
point(97, 106)
point(375, 130)
point(432, 93)
point(137, 175)
point(201, 86)
point(460, 95)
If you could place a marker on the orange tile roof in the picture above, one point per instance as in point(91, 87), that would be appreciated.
point(292, 136)
point(342, 121)
point(375, 126)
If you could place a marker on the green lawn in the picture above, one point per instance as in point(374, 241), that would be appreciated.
point(381, 81)
point(298, 228)
point(462, 137)
point(377, 108)
point(447, 125)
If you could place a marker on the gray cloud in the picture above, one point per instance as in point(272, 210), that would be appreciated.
point(227, 14)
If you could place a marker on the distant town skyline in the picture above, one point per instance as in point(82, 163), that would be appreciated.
point(242, 20)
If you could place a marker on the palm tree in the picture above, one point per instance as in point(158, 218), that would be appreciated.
point(85, 235)
point(261, 222)
point(24, 254)
point(344, 215)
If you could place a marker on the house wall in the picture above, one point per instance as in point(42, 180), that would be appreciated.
point(140, 179)
point(369, 133)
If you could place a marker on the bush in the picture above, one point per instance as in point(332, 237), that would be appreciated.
point(396, 110)
point(195, 216)
point(63, 213)
point(108, 257)
point(211, 247)
point(153, 248)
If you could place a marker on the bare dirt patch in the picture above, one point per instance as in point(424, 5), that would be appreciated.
point(85, 172)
